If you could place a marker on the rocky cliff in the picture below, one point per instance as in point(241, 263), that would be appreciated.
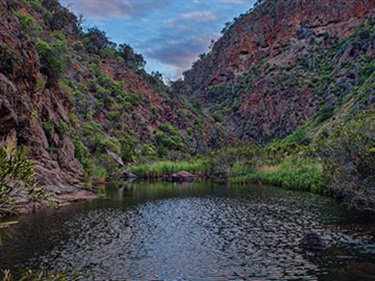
point(79, 107)
point(284, 63)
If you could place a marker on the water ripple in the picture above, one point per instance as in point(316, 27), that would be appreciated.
point(223, 234)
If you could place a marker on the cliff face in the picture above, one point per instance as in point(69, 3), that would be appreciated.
point(76, 105)
point(24, 106)
point(273, 67)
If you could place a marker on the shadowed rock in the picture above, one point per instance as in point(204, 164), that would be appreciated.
point(127, 176)
point(312, 242)
point(181, 176)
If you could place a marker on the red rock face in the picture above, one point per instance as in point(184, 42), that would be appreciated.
point(37, 106)
point(271, 41)
point(23, 106)
point(278, 26)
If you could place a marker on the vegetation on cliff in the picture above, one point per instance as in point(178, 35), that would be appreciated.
point(276, 100)
point(84, 106)
point(301, 88)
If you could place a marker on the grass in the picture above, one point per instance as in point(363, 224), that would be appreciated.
point(296, 174)
point(158, 169)
point(99, 175)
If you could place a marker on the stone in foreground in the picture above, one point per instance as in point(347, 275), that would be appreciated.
point(312, 242)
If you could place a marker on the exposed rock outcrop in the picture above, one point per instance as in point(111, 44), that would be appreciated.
point(272, 68)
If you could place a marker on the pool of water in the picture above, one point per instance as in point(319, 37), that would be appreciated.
point(197, 231)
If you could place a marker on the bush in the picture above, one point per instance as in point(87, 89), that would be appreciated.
point(49, 128)
point(8, 59)
point(17, 176)
point(95, 40)
point(51, 59)
point(348, 158)
point(292, 173)
point(131, 59)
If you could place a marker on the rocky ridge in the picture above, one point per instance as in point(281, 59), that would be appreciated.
point(272, 69)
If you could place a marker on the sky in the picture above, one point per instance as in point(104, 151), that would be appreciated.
point(170, 34)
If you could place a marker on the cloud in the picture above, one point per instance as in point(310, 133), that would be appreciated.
point(123, 9)
point(200, 16)
point(179, 53)
point(169, 33)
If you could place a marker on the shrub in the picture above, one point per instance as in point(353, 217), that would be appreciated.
point(348, 158)
point(51, 59)
point(49, 128)
point(8, 59)
point(17, 176)
point(131, 59)
point(96, 40)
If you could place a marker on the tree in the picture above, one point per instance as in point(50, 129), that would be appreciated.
point(157, 75)
point(96, 40)
point(132, 59)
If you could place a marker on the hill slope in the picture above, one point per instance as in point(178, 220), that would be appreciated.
point(287, 62)
point(82, 106)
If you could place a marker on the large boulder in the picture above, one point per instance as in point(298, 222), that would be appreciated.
point(181, 176)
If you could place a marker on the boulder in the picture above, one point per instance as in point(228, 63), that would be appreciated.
point(312, 242)
point(181, 176)
point(127, 176)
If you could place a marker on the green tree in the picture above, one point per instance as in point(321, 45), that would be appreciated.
point(132, 59)
point(96, 40)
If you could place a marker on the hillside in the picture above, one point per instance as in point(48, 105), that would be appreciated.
point(82, 106)
point(285, 97)
point(285, 63)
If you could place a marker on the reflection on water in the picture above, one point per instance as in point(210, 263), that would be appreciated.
point(196, 231)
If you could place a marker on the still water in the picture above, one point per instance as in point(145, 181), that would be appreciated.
point(197, 231)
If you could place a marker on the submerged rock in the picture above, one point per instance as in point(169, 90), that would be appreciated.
point(312, 242)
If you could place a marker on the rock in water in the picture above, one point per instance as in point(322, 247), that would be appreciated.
point(127, 176)
point(181, 176)
point(312, 242)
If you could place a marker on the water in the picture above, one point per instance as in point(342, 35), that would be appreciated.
point(198, 231)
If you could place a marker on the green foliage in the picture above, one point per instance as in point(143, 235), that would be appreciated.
point(99, 174)
point(49, 128)
point(292, 173)
point(17, 181)
point(39, 275)
point(127, 149)
point(131, 59)
point(169, 138)
point(81, 152)
point(17, 176)
point(51, 58)
point(325, 113)
point(96, 40)
point(58, 17)
point(159, 169)
point(103, 142)
point(27, 21)
point(8, 59)
point(298, 137)
point(348, 159)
